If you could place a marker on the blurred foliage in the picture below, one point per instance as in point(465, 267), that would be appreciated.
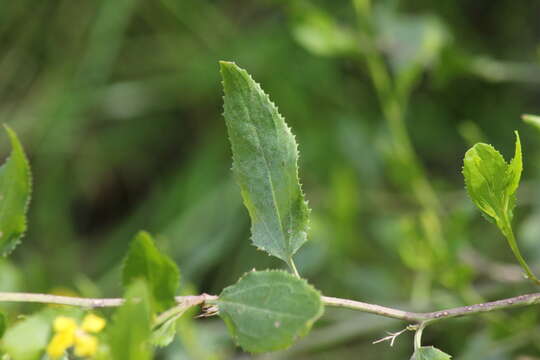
point(118, 104)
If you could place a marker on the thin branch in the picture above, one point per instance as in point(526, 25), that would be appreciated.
point(90, 303)
point(518, 301)
point(414, 317)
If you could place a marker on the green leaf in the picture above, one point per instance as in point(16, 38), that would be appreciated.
point(429, 353)
point(492, 183)
point(265, 159)
point(164, 331)
point(533, 120)
point(321, 34)
point(268, 310)
point(409, 40)
point(144, 261)
point(129, 334)
point(27, 339)
point(15, 187)
point(164, 335)
point(3, 324)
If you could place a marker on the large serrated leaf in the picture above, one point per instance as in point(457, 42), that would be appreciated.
point(491, 182)
point(144, 261)
point(430, 353)
point(265, 160)
point(15, 187)
point(130, 332)
point(268, 310)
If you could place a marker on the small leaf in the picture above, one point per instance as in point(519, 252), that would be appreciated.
point(164, 335)
point(319, 33)
point(3, 324)
point(533, 120)
point(265, 159)
point(268, 310)
point(430, 353)
point(409, 40)
point(27, 339)
point(15, 187)
point(491, 182)
point(130, 331)
point(164, 331)
point(161, 273)
point(515, 168)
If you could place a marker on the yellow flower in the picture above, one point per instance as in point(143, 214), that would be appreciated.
point(69, 334)
point(59, 343)
point(64, 324)
point(85, 345)
point(92, 323)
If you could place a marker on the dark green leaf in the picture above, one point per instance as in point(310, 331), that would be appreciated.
point(144, 261)
point(3, 324)
point(429, 353)
point(491, 182)
point(130, 332)
point(15, 187)
point(268, 310)
point(265, 165)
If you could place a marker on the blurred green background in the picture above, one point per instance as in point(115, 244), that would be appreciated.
point(118, 104)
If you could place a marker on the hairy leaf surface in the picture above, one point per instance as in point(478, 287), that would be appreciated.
point(491, 182)
point(15, 187)
point(145, 261)
point(265, 160)
point(268, 310)
point(430, 353)
point(130, 331)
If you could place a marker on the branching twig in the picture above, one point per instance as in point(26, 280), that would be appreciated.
point(393, 336)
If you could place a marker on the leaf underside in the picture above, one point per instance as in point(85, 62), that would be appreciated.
point(265, 166)
point(15, 188)
point(430, 353)
point(267, 310)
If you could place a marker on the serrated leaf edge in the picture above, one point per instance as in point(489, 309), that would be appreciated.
point(15, 143)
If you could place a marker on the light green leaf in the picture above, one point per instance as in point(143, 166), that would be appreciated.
point(321, 34)
point(533, 120)
point(144, 261)
point(430, 353)
point(15, 187)
point(3, 324)
point(129, 334)
point(164, 334)
point(492, 183)
point(165, 329)
point(27, 339)
point(515, 168)
point(265, 159)
point(268, 310)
